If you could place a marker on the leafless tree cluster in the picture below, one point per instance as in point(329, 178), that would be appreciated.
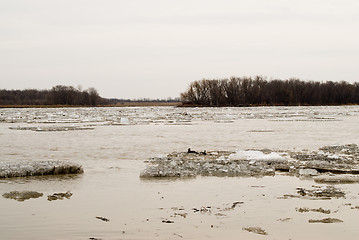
point(58, 95)
point(248, 91)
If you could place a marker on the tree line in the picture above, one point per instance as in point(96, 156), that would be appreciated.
point(247, 91)
point(57, 95)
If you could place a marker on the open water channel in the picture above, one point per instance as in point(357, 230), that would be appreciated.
point(112, 145)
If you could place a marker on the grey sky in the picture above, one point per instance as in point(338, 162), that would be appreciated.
point(155, 48)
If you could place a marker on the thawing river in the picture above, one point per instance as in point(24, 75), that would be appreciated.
point(112, 145)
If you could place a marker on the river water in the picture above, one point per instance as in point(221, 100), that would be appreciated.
point(113, 149)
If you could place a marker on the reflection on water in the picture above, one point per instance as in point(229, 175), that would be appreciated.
point(113, 154)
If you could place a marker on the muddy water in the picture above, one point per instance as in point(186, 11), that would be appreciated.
point(113, 155)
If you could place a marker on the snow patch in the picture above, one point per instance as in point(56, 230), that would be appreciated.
point(255, 155)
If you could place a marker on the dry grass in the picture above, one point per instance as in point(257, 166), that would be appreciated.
point(147, 104)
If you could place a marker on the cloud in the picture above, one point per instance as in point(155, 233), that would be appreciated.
point(109, 43)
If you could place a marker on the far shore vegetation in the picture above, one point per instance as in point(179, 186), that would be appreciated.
point(235, 92)
point(258, 91)
point(57, 96)
point(68, 96)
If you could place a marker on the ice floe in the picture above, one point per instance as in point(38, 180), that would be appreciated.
point(52, 128)
point(325, 220)
point(257, 230)
point(317, 193)
point(336, 164)
point(161, 115)
point(59, 196)
point(345, 178)
point(38, 168)
point(216, 163)
point(22, 195)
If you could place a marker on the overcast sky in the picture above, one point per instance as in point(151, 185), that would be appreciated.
point(155, 48)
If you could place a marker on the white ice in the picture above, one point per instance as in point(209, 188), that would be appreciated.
point(255, 155)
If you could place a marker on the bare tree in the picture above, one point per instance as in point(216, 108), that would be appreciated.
point(258, 91)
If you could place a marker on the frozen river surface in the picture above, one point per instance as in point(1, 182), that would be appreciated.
point(112, 144)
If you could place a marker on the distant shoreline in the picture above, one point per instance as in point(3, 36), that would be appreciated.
point(147, 104)
point(120, 104)
point(160, 104)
